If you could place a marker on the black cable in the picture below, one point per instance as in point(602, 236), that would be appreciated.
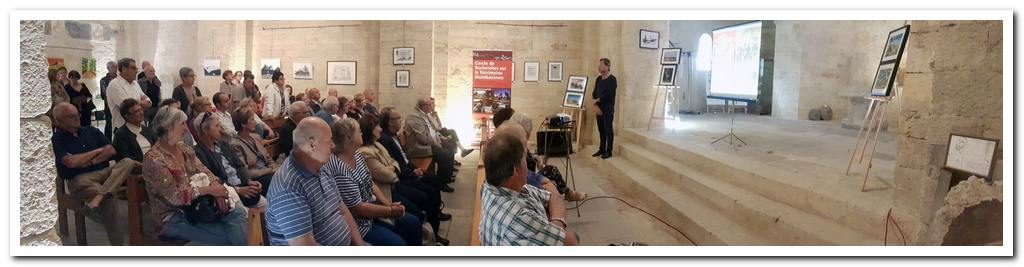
point(637, 208)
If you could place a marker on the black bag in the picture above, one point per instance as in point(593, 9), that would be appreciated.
point(552, 173)
point(205, 209)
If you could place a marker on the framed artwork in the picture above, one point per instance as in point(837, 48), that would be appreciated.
point(402, 78)
point(531, 71)
point(269, 66)
point(973, 155)
point(576, 84)
point(895, 44)
point(404, 56)
point(302, 71)
point(573, 100)
point(670, 55)
point(555, 71)
point(668, 75)
point(884, 78)
point(88, 67)
point(211, 67)
point(341, 72)
point(649, 39)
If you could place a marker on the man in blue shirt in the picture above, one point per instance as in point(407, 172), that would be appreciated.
point(82, 156)
point(305, 209)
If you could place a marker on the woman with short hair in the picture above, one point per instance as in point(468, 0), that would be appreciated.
point(79, 95)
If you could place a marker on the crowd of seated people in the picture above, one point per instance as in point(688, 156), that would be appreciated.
point(206, 161)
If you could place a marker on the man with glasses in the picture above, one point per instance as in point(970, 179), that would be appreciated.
point(296, 112)
point(132, 140)
point(124, 87)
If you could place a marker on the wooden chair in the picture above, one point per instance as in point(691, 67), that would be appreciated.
point(271, 147)
point(256, 229)
point(474, 236)
point(137, 195)
point(66, 202)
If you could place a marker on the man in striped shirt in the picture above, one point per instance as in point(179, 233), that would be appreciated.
point(304, 208)
point(514, 212)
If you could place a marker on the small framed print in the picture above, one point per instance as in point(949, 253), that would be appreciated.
point(531, 71)
point(402, 78)
point(404, 56)
point(341, 72)
point(973, 155)
point(895, 44)
point(302, 71)
point(576, 84)
point(670, 56)
point(555, 71)
point(649, 39)
point(668, 75)
point(573, 100)
point(884, 77)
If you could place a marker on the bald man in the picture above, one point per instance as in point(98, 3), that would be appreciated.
point(301, 211)
point(296, 112)
point(82, 155)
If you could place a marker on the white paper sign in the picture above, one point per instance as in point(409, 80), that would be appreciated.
point(970, 154)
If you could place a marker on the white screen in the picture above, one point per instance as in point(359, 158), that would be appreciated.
point(735, 61)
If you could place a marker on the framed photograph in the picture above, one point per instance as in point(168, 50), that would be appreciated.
point(649, 39)
point(341, 72)
point(884, 77)
point(531, 71)
point(402, 78)
point(671, 55)
point(268, 67)
point(211, 67)
point(668, 75)
point(302, 71)
point(972, 155)
point(576, 84)
point(895, 44)
point(573, 100)
point(404, 56)
point(555, 71)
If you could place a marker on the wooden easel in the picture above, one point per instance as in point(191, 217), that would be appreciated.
point(875, 116)
point(576, 115)
point(654, 104)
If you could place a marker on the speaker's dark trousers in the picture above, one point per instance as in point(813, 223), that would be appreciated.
point(604, 129)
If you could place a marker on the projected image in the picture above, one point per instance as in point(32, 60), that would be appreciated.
point(735, 61)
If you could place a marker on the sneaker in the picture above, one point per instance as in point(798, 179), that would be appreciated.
point(440, 241)
point(597, 154)
point(467, 152)
point(447, 189)
point(606, 155)
point(575, 196)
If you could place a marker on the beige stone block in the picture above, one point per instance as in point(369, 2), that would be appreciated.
point(35, 87)
point(36, 183)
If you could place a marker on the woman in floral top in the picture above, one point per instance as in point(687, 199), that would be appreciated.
point(167, 169)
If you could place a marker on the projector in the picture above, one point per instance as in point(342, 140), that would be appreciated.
point(559, 120)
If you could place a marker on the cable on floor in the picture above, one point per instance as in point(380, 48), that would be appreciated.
point(637, 208)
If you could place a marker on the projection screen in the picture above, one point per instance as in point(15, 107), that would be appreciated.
point(735, 61)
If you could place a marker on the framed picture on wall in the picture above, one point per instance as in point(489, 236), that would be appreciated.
point(341, 72)
point(269, 66)
point(895, 44)
point(649, 39)
point(668, 75)
point(884, 77)
point(573, 100)
point(402, 78)
point(211, 67)
point(973, 155)
point(576, 84)
point(555, 71)
point(670, 55)
point(531, 71)
point(302, 71)
point(404, 56)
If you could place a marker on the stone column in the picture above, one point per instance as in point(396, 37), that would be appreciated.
point(38, 202)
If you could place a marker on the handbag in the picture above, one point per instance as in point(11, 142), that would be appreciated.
point(206, 209)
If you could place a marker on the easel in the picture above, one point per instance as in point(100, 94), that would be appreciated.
point(732, 126)
point(654, 104)
point(572, 130)
point(875, 116)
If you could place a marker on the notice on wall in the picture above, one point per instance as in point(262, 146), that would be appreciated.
point(492, 89)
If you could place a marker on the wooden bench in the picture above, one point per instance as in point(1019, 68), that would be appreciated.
point(481, 177)
point(67, 202)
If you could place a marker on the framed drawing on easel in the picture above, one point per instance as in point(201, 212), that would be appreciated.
point(971, 155)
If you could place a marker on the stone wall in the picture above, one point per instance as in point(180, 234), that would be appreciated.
point(38, 202)
point(953, 83)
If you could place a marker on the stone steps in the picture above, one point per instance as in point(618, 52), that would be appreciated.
point(783, 224)
point(701, 222)
point(805, 186)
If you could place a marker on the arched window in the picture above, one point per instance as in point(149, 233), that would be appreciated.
point(704, 53)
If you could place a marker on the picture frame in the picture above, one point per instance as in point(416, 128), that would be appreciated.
point(970, 154)
point(573, 100)
point(576, 83)
point(302, 70)
point(531, 71)
point(341, 72)
point(555, 71)
point(671, 55)
point(649, 39)
point(895, 43)
point(268, 67)
point(668, 75)
point(211, 67)
point(881, 85)
point(402, 78)
point(403, 56)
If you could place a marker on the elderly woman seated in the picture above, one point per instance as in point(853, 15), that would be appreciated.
point(177, 181)
point(380, 221)
point(213, 151)
point(258, 164)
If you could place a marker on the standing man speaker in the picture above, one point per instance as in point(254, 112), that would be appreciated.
point(604, 104)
